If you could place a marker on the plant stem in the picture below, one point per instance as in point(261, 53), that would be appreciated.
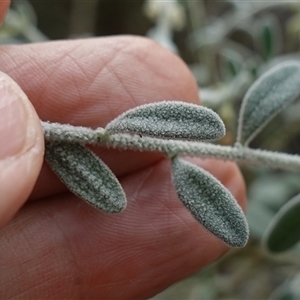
point(237, 153)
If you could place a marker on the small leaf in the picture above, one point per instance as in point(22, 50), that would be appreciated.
point(230, 63)
point(170, 120)
point(266, 98)
point(288, 290)
point(86, 175)
point(268, 40)
point(284, 229)
point(268, 36)
point(210, 203)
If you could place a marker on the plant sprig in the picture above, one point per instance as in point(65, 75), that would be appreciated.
point(177, 128)
point(237, 153)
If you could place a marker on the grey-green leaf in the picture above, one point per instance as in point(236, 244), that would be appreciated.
point(210, 203)
point(284, 230)
point(170, 120)
point(86, 175)
point(266, 98)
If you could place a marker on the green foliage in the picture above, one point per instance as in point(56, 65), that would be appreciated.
point(266, 194)
point(289, 290)
point(268, 36)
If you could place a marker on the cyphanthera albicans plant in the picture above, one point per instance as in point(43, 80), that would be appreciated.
point(177, 128)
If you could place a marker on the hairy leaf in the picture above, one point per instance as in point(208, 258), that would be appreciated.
point(210, 203)
point(86, 175)
point(266, 98)
point(170, 120)
point(284, 230)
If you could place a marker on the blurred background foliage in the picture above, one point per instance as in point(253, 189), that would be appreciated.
point(227, 45)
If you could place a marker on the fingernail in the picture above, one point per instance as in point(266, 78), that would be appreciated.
point(16, 134)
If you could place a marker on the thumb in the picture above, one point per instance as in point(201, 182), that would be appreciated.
point(21, 148)
point(4, 5)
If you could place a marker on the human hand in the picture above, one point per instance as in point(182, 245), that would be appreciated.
point(59, 247)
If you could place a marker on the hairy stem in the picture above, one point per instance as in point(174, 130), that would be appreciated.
point(238, 153)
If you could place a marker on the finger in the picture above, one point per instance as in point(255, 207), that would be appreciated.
point(74, 251)
point(89, 82)
point(21, 151)
point(4, 5)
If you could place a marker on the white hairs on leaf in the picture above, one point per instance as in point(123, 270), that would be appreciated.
point(170, 120)
point(210, 203)
point(86, 175)
point(270, 94)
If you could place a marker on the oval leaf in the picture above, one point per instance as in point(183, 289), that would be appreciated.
point(284, 229)
point(267, 97)
point(170, 120)
point(210, 203)
point(86, 175)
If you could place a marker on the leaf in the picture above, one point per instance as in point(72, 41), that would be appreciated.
point(288, 290)
point(86, 175)
point(268, 36)
point(284, 230)
point(230, 63)
point(210, 203)
point(170, 120)
point(266, 194)
point(271, 93)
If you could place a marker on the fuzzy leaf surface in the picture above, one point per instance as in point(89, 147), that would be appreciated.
point(86, 175)
point(284, 230)
point(210, 203)
point(170, 120)
point(271, 93)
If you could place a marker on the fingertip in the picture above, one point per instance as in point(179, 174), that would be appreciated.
point(21, 150)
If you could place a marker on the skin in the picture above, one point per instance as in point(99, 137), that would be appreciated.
point(55, 246)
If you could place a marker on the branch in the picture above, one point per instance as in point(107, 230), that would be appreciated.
point(238, 153)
